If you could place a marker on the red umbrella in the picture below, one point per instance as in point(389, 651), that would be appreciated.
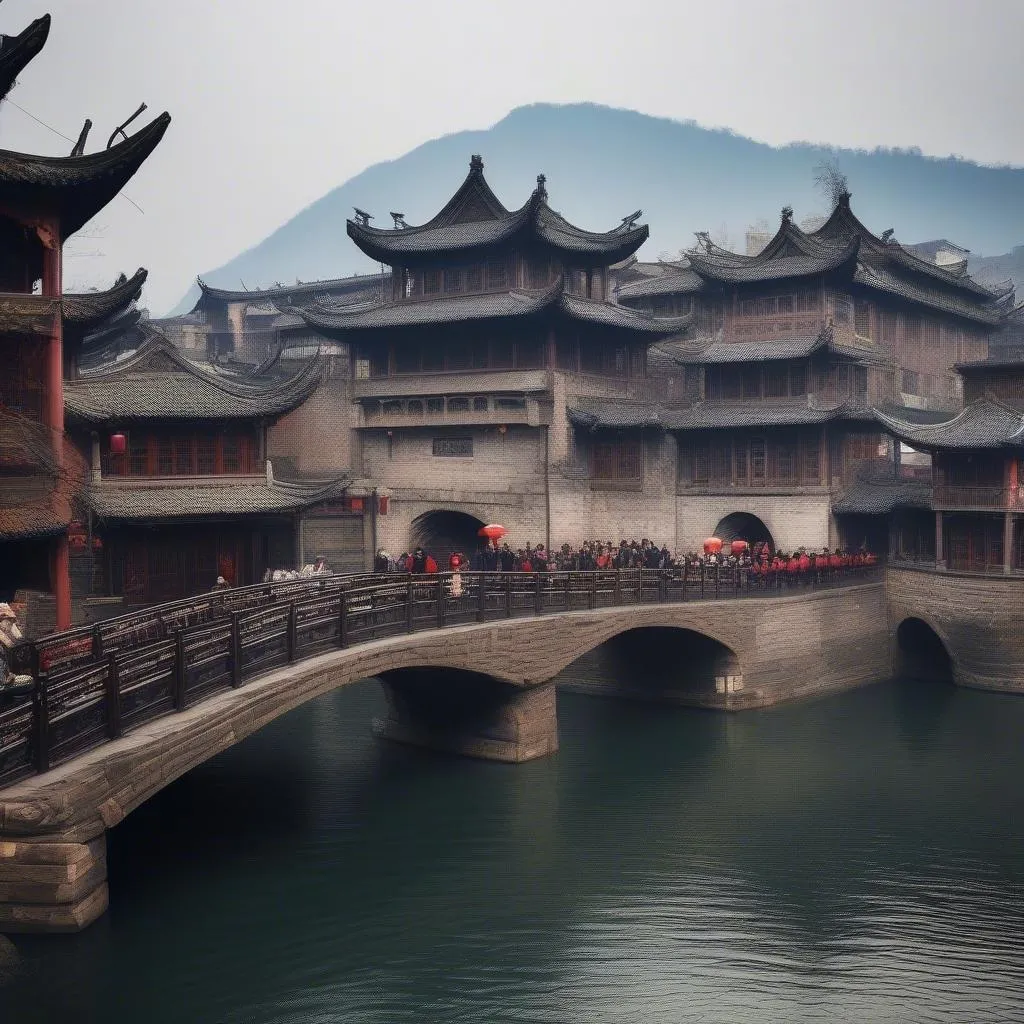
point(492, 532)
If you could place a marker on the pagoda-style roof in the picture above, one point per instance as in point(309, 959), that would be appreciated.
point(1010, 358)
point(119, 501)
point(876, 489)
point(985, 423)
point(783, 413)
point(156, 382)
point(610, 414)
point(76, 187)
point(27, 314)
point(842, 246)
point(88, 310)
point(796, 347)
point(17, 51)
point(670, 279)
point(790, 254)
point(299, 294)
point(341, 321)
point(40, 488)
point(474, 222)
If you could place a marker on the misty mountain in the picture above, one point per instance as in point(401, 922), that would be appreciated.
point(602, 163)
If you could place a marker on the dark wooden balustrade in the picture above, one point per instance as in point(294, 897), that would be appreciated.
point(96, 683)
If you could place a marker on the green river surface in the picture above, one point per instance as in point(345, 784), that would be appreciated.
point(855, 858)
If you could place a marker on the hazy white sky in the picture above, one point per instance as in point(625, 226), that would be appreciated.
point(275, 103)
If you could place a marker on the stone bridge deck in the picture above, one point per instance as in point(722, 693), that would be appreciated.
point(485, 689)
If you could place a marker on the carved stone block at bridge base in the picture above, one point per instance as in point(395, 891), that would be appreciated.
point(469, 714)
point(52, 886)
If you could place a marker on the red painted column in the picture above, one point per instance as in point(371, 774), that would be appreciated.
point(60, 575)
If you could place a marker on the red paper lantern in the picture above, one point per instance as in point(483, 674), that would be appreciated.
point(382, 506)
point(737, 547)
point(712, 546)
point(118, 444)
point(493, 532)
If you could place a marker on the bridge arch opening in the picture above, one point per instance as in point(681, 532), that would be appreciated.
point(744, 526)
point(921, 653)
point(667, 664)
point(443, 531)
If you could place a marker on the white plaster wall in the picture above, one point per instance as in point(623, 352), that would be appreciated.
point(794, 521)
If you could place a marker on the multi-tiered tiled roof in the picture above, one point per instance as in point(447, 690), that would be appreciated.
point(158, 383)
point(842, 247)
point(984, 424)
point(343, 320)
point(474, 222)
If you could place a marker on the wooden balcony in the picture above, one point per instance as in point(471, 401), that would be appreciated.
point(995, 497)
point(472, 382)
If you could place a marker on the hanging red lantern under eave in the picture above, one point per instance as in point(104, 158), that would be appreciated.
point(118, 444)
point(737, 547)
point(382, 506)
point(76, 534)
point(712, 545)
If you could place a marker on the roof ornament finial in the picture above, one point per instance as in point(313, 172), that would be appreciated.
point(476, 162)
point(362, 217)
point(628, 223)
point(703, 240)
point(119, 130)
point(542, 190)
point(79, 149)
point(887, 234)
point(399, 219)
point(787, 214)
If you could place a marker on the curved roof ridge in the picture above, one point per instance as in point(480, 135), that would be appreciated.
point(17, 52)
point(474, 187)
point(779, 267)
point(79, 186)
point(1007, 426)
point(843, 220)
point(94, 307)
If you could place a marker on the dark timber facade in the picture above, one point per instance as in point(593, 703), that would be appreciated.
point(44, 201)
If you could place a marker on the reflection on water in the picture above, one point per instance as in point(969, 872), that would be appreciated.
point(856, 858)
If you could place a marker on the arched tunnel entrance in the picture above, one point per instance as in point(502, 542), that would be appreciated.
point(744, 526)
point(666, 664)
point(443, 531)
point(921, 654)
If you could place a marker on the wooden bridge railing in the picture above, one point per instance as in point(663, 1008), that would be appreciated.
point(95, 683)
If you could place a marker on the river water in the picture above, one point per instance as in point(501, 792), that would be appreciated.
point(857, 858)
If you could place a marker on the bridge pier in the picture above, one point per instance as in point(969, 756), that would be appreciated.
point(52, 886)
point(469, 714)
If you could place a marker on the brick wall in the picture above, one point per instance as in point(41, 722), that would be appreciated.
point(316, 439)
point(793, 520)
point(979, 620)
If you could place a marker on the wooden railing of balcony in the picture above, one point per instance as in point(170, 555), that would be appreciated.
point(978, 496)
point(94, 684)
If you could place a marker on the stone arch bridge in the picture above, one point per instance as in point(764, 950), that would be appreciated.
point(469, 664)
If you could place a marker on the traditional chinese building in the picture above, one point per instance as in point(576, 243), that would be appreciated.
point(44, 201)
point(799, 345)
point(976, 455)
point(498, 383)
point(248, 326)
point(180, 489)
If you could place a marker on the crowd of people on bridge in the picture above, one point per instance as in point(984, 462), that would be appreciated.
point(591, 556)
